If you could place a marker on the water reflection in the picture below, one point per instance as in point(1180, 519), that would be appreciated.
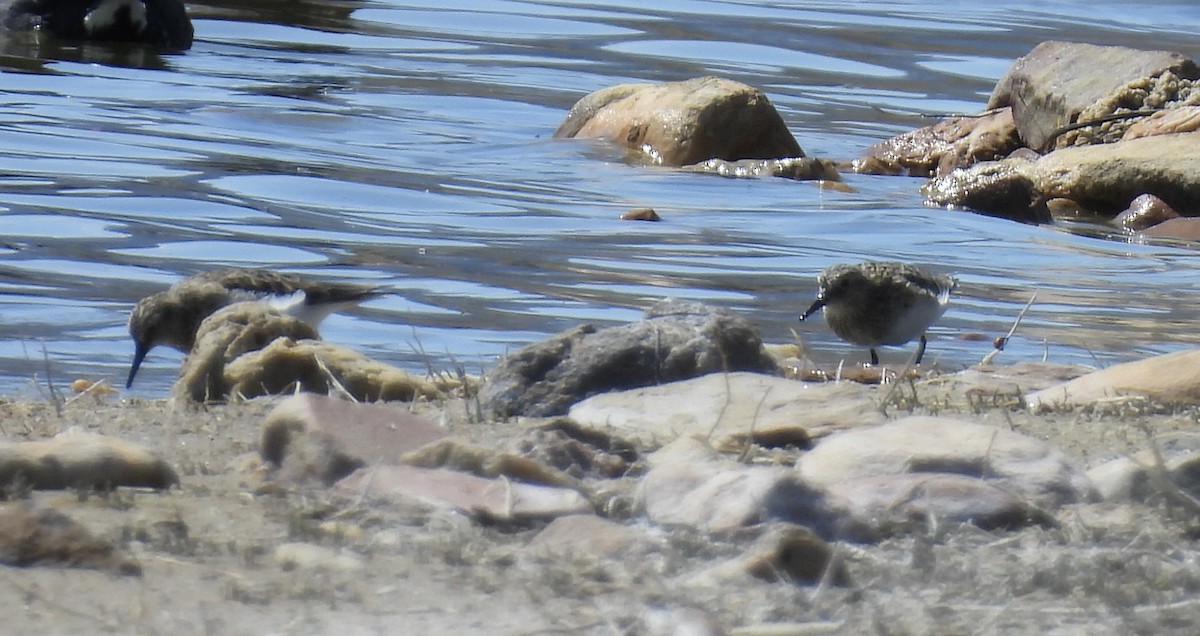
point(406, 143)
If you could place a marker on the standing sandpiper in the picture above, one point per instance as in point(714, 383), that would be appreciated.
point(172, 317)
point(881, 303)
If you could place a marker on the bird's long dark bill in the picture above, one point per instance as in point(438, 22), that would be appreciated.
point(138, 355)
point(817, 304)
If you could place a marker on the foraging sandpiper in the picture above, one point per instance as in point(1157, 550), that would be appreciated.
point(881, 303)
point(172, 317)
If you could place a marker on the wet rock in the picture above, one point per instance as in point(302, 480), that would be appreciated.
point(82, 460)
point(641, 214)
point(998, 188)
point(1173, 378)
point(309, 436)
point(1103, 178)
point(676, 340)
point(798, 168)
point(249, 349)
point(954, 142)
point(1143, 212)
point(1023, 465)
point(1055, 82)
point(591, 535)
point(1183, 229)
point(306, 556)
point(731, 409)
point(32, 536)
point(680, 123)
point(1166, 122)
point(887, 504)
point(490, 500)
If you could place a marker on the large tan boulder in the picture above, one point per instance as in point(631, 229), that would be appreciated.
point(681, 123)
point(1057, 82)
point(1173, 378)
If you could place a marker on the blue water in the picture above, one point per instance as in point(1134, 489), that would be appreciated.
point(408, 144)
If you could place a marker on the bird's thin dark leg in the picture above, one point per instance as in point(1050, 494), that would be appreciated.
point(874, 358)
point(920, 350)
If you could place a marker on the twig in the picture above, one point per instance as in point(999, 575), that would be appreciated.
point(1002, 341)
point(55, 398)
point(333, 381)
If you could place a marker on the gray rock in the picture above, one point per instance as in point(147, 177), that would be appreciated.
point(1134, 478)
point(592, 535)
point(731, 407)
point(884, 505)
point(676, 340)
point(680, 123)
point(690, 484)
point(1051, 85)
point(1023, 465)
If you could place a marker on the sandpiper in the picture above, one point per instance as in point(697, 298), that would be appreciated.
point(881, 303)
point(172, 317)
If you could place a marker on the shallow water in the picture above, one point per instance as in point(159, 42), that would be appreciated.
point(408, 144)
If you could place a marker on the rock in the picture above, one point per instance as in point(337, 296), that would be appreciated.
point(310, 436)
point(306, 556)
point(1134, 478)
point(731, 409)
point(641, 214)
point(1185, 229)
point(249, 349)
point(676, 340)
point(1173, 378)
point(83, 460)
point(689, 484)
point(954, 142)
point(1166, 122)
point(1103, 178)
point(680, 123)
point(578, 450)
point(1051, 85)
point(491, 500)
point(1144, 211)
point(41, 536)
point(886, 504)
point(591, 535)
point(488, 462)
point(998, 188)
point(798, 168)
point(682, 621)
point(1019, 464)
point(792, 553)
point(228, 333)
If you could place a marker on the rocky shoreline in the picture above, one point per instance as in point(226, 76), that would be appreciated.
point(724, 504)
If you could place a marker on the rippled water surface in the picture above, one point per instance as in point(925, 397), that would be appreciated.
point(408, 144)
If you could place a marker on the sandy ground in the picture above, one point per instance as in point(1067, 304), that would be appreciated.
point(213, 562)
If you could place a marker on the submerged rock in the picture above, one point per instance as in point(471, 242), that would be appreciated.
point(1145, 211)
point(676, 340)
point(681, 123)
